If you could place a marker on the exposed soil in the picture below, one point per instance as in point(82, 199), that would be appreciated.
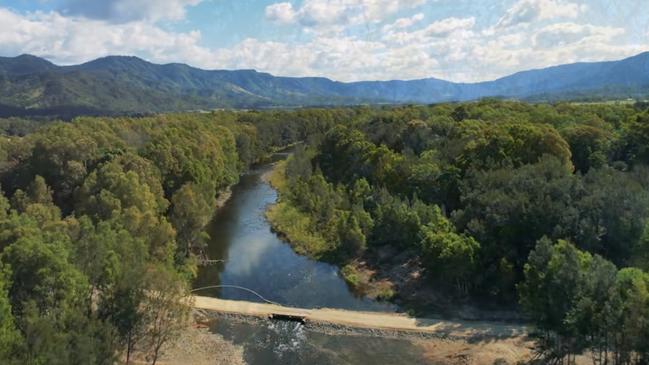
point(400, 272)
point(516, 350)
point(196, 345)
point(223, 197)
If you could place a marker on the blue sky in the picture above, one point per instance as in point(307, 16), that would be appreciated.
point(347, 40)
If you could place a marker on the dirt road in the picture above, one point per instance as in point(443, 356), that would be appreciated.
point(461, 330)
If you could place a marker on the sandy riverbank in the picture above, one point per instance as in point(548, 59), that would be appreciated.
point(196, 345)
point(223, 197)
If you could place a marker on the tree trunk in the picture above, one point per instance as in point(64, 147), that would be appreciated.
point(129, 347)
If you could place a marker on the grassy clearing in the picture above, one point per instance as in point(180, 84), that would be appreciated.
point(362, 280)
point(295, 226)
point(277, 177)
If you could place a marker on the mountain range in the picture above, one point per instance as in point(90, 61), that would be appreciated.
point(30, 85)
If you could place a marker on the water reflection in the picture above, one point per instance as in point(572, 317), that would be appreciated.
point(257, 259)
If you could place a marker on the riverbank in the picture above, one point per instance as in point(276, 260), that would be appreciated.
point(222, 198)
point(196, 345)
point(288, 222)
point(383, 273)
point(378, 283)
point(440, 341)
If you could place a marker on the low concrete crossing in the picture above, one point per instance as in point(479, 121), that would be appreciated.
point(365, 320)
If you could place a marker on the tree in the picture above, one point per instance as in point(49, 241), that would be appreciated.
point(590, 146)
point(165, 309)
point(485, 145)
point(554, 276)
point(193, 151)
point(109, 189)
point(612, 214)
point(47, 298)
point(62, 154)
point(40, 273)
point(353, 227)
point(396, 222)
point(631, 341)
point(37, 193)
point(191, 209)
point(132, 199)
point(448, 254)
point(595, 314)
point(9, 336)
point(635, 140)
point(509, 210)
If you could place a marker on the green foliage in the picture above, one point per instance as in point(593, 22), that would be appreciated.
point(613, 213)
point(582, 302)
point(190, 211)
point(514, 144)
point(449, 255)
point(590, 146)
point(485, 196)
point(553, 274)
point(508, 210)
point(9, 335)
point(193, 152)
point(102, 221)
point(298, 229)
point(496, 185)
point(635, 139)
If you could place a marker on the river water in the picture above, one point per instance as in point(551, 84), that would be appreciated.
point(257, 259)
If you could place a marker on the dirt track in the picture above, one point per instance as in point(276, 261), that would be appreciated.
point(461, 330)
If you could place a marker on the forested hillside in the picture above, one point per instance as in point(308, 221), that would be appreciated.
point(101, 223)
point(494, 202)
point(31, 86)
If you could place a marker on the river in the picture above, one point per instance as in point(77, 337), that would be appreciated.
point(257, 259)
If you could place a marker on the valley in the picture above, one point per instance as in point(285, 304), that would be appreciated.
point(492, 211)
point(33, 87)
point(324, 182)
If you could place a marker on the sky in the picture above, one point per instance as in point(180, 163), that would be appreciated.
point(345, 40)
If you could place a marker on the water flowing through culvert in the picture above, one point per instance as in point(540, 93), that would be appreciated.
point(280, 342)
point(255, 258)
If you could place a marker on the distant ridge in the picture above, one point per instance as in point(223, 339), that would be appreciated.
point(126, 84)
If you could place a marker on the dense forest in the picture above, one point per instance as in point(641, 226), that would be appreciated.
point(510, 203)
point(101, 225)
point(542, 207)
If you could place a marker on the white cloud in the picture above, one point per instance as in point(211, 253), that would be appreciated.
point(446, 26)
point(322, 13)
point(453, 48)
point(553, 44)
point(128, 10)
point(347, 58)
point(528, 11)
point(71, 40)
point(402, 23)
point(437, 29)
point(281, 13)
point(563, 34)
